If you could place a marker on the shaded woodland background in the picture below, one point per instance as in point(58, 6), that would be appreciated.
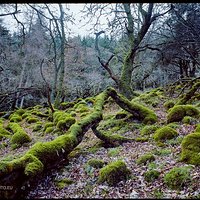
point(41, 60)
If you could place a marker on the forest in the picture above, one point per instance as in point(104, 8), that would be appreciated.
point(110, 112)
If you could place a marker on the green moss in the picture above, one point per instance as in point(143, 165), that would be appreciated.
point(197, 128)
point(96, 163)
point(60, 115)
point(169, 104)
point(15, 118)
point(73, 113)
point(190, 148)
point(186, 97)
point(165, 133)
point(62, 183)
point(34, 167)
point(151, 175)
point(112, 152)
point(25, 115)
point(162, 152)
point(47, 125)
point(174, 125)
point(141, 139)
point(65, 123)
point(114, 172)
point(66, 105)
point(177, 113)
point(4, 133)
point(121, 114)
point(49, 130)
point(177, 177)
point(31, 119)
point(148, 129)
point(82, 108)
point(144, 159)
point(20, 111)
point(20, 136)
point(37, 127)
point(40, 114)
point(189, 120)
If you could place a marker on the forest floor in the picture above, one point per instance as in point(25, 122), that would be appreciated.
point(83, 178)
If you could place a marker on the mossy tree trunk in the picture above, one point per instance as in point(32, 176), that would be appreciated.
point(124, 82)
point(45, 155)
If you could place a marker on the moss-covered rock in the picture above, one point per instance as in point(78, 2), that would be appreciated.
point(151, 175)
point(66, 105)
point(96, 163)
point(64, 124)
point(114, 172)
point(31, 119)
point(26, 114)
point(148, 129)
point(47, 125)
point(189, 120)
point(177, 177)
point(190, 148)
point(60, 115)
point(4, 133)
point(169, 104)
point(49, 130)
point(20, 111)
point(177, 113)
point(38, 126)
point(164, 133)
point(20, 136)
point(197, 128)
point(15, 117)
point(144, 159)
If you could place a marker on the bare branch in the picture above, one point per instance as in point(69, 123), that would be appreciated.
point(109, 70)
point(16, 11)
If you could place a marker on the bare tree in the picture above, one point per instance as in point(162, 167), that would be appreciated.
point(135, 29)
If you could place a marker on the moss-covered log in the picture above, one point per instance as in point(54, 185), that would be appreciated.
point(189, 94)
point(46, 155)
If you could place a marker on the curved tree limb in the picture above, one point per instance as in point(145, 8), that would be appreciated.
point(45, 155)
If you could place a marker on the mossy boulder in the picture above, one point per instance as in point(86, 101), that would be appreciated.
point(169, 104)
point(165, 133)
point(177, 177)
point(190, 148)
point(151, 175)
point(20, 136)
point(47, 125)
point(60, 115)
point(64, 124)
point(31, 119)
point(96, 163)
point(66, 105)
point(4, 133)
point(197, 128)
point(37, 127)
point(49, 130)
point(148, 129)
point(15, 118)
point(20, 111)
point(189, 120)
point(146, 158)
point(114, 172)
point(177, 113)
